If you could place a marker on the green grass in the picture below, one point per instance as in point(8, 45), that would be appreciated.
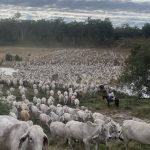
point(128, 43)
point(117, 145)
point(137, 107)
point(4, 109)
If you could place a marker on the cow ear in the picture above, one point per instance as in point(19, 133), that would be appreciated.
point(23, 138)
point(45, 143)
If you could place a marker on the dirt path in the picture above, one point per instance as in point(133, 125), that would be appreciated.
point(121, 116)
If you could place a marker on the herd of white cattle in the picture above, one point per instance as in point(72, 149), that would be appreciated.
point(81, 69)
point(72, 124)
point(61, 76)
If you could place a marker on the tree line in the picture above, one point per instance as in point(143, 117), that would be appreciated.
point(57, 31)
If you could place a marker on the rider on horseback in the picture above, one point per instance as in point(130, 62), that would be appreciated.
point(103, 91)
point(108, 94)
point(111, 95)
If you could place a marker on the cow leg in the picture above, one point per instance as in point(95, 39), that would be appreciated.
point(70, 143)
point(41, 123)
point(126, 145)
point(86, 144)
point(126, 141)
point(97, 146)
point(66, 141)
point(108, 103)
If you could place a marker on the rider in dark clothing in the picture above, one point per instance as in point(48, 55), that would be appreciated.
point(103, 91)
point(108, 95)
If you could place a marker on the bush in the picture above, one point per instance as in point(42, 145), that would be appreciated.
point(138, 67)
point(4, 109)
point(8, 57)
point(18, 58)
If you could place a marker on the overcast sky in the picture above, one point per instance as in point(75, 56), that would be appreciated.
point(133, 12)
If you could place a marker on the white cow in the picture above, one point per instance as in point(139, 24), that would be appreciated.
point(52, 92)
point(44, 119)
point(76, 102)
point(68, 117)
point(43, 100)
point(44, 108)
point(12, 114)
point(114, 128)
point(137, 131)
point(101, 116)
point(35, 111)
point(18, 135)
point(98, 116)
point(50, 102)
point(60, 97)
point(59, 110)
point(84, 115)
point(86, 132)
point(57, 129)
point(53, 108)
point(54, 116)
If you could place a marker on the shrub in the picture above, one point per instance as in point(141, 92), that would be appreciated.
point(18, 58)
point(8, 57)
point(138, 67)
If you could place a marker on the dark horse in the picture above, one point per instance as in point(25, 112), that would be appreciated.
point(116, 100)
point(105, 96)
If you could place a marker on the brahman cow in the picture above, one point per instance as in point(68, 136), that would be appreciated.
point(86, 132)
point(137, 131)
point(19, 135)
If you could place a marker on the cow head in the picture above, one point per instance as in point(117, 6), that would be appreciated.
point(114, 129)
point(103, 135)
point(105, 132)
point(34, 139)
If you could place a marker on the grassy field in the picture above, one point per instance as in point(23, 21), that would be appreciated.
point(117, 145)
point(136, 107)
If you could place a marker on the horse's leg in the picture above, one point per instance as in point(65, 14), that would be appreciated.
point(117, 102)
point(103, 97)
point(108, 102)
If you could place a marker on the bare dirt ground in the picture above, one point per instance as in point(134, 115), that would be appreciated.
point(24, 51)
point(41, 51)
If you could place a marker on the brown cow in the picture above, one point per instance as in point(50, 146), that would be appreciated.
point(24, 115)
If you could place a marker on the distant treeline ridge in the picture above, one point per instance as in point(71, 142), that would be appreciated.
point(51, 32)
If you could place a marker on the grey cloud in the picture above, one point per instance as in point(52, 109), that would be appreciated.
point(119, 12)
point(83, 4)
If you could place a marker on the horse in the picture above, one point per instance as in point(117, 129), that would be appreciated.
point(105, 96)
point(116, 100)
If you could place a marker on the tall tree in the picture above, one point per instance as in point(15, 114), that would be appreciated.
point(146, 30)
point(138, 67)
